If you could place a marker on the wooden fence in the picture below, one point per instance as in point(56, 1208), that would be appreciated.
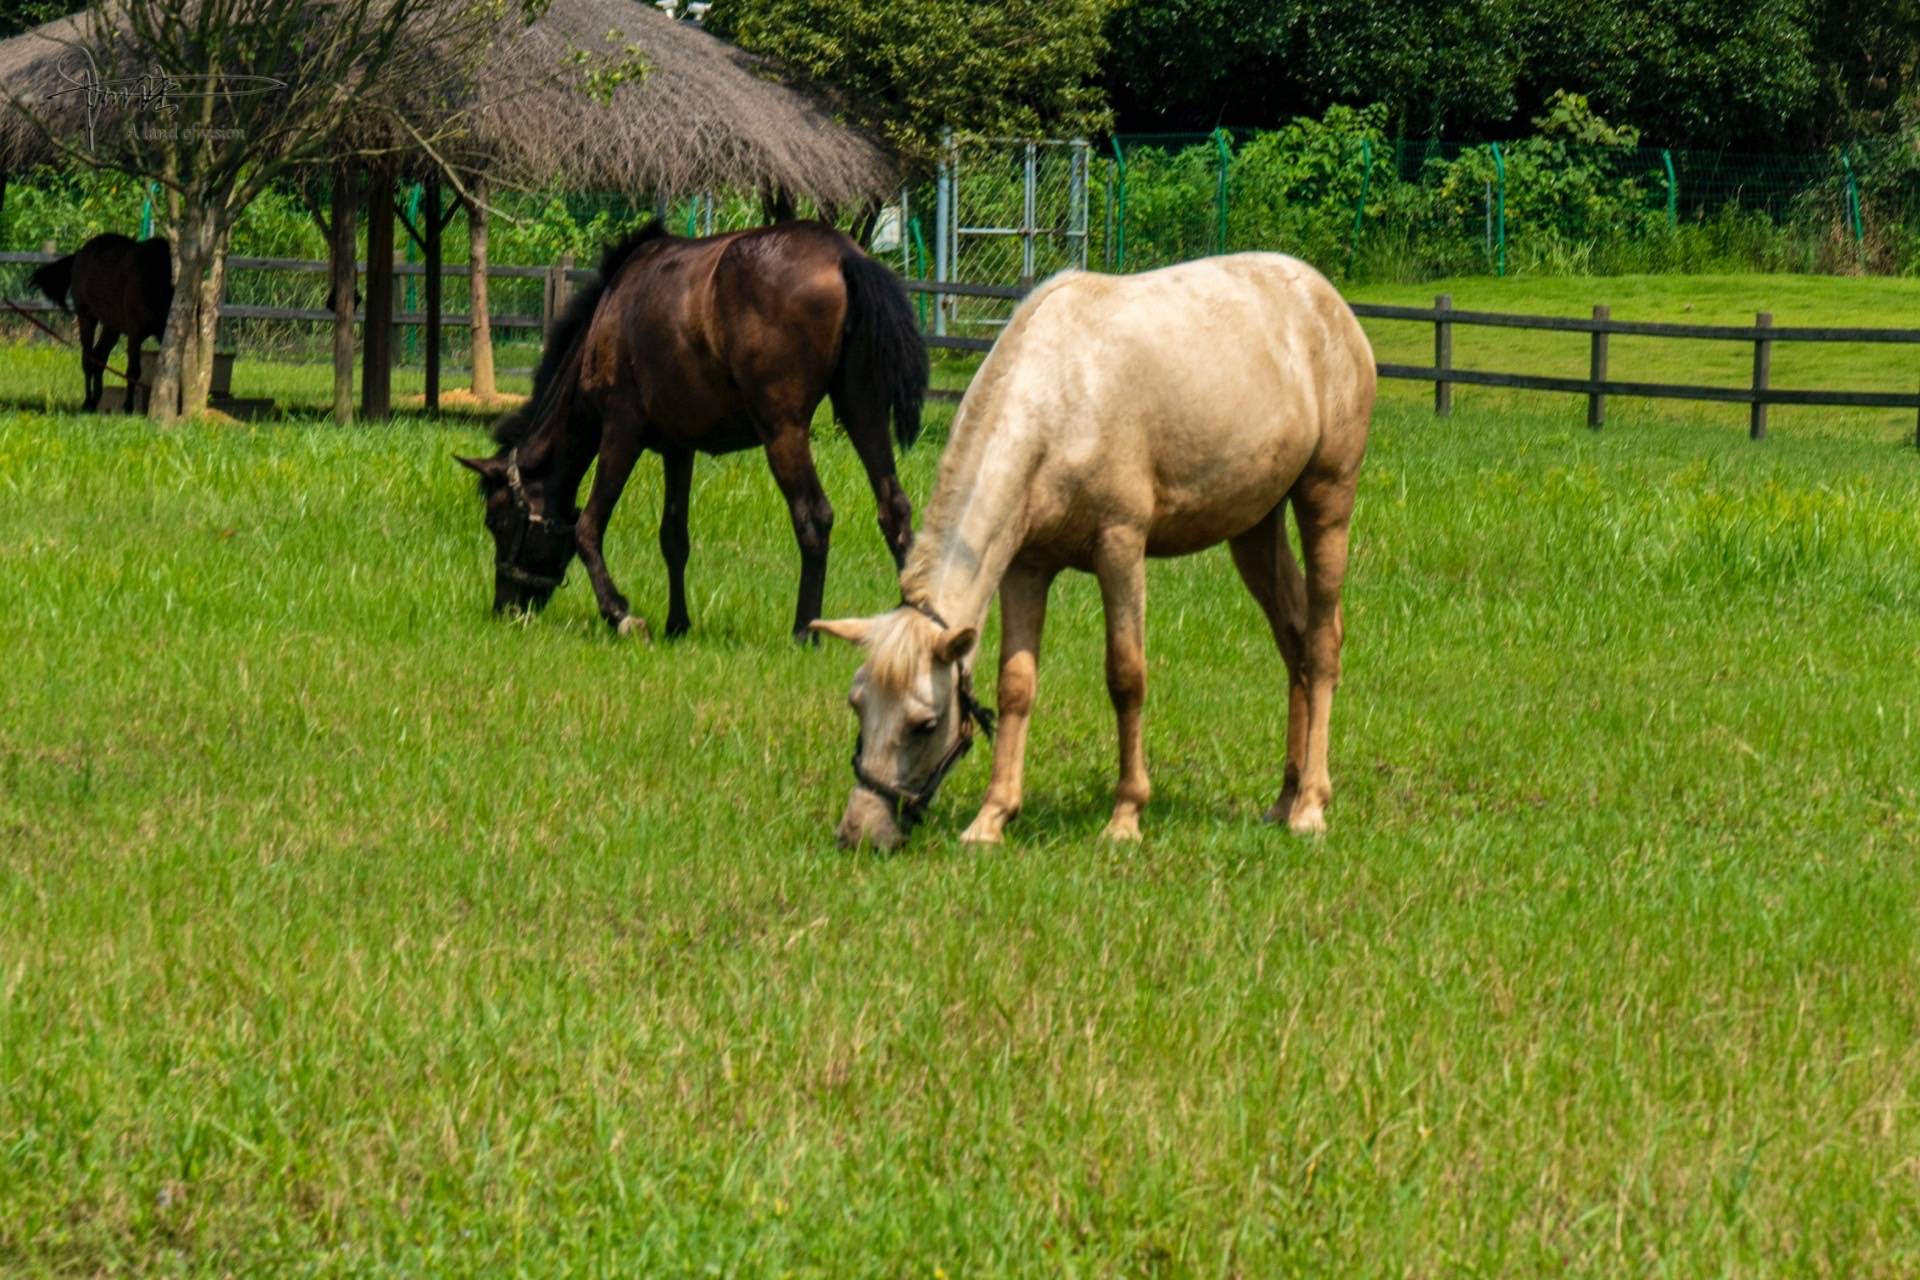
point(1597, 386)
point(1757, 395)
point(557, 280)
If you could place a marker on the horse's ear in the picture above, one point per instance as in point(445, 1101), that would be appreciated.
point(955, 643)
point(852, 630)
point(488, 468)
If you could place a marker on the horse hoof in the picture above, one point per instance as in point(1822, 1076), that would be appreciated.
point(1308, 821)
point(634, 625)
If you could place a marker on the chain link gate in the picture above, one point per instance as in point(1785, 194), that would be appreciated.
point(1006, 212)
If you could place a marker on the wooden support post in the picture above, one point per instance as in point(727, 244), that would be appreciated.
point(343, 226)
point(480, 344)
point(1597, 399)
point(555, 296)
point(1762, 366)
point(376, 379)
point(434, 220)
point(1443, 357)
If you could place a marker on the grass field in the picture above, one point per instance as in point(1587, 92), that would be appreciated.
point(346, 929)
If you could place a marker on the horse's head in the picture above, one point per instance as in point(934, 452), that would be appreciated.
point(532, 528)
point(914, 698)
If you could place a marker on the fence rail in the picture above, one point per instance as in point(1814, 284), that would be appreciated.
point(1442, 315)
point(1758, 394)
point(323, 315)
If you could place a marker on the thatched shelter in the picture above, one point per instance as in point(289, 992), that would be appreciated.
point(704, 115)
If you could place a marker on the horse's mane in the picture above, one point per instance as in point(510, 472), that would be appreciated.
point(518, 426)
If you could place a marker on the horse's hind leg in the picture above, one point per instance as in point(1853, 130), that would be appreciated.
point(619, 450)
point(1323, 507)
point(90, 376)
point(1266, 565)
point(791, 458)
point(133, 371)
point(868, 431)
point(1120, 562)
point(674, 543)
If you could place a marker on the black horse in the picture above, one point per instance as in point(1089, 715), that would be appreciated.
point(117, 285)
point(709, 346)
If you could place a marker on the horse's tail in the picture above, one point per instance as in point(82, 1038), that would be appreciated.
point(883, 353)
point(56, 280)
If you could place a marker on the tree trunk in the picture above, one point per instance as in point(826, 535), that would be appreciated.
point(345, 290)
point(482, 322)
point(376, 378)
point(193, 255)
point(196, 383)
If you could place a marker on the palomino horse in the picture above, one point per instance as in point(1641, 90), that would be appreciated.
point(118, 285)
point(1121, 417)
point(712, 345)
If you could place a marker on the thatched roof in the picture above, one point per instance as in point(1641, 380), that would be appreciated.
point(707, 115)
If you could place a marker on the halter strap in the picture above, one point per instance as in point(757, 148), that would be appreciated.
point(909, 803)
point(509, 564)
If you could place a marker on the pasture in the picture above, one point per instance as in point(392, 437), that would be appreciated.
point(346, 929)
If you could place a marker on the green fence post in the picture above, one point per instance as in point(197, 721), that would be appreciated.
point(1673, 191)
point(1853, 209)
point(1120, 206)
point(1500, 209)
point(920, 242)
point(1360, 205)
point(146, 212)
point(1220, 192)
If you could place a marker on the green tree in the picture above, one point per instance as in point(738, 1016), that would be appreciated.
point(907, 69)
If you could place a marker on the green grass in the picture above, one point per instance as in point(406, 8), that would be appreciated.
point(345, 929)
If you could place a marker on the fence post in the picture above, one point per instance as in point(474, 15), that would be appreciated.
point(1029, 182)
point(1597, 399)
point(1443, 356)
point(553, 298)
point(1220, 191)
point(1762, 366)
point(1120, 206)
point(1360, 206)
point(942, 219)
point(1673, 191)
point(1852, 200)
point(1079, 217)
point(1500, 209)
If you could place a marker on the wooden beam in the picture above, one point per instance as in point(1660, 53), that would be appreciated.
point(482, 336)
point(435, 222)
point(343, 295)
point(376, 378)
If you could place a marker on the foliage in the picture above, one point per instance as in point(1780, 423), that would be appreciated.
point(910, 69)
point(1740, 74)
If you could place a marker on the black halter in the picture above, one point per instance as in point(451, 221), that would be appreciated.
point(509, 564)
point(910, 802)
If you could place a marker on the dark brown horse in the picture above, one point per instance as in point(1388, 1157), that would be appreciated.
point(117, 285)
point(703, 346)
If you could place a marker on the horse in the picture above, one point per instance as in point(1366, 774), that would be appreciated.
point(1121, 417)
point(120, 285)
point(703, 346)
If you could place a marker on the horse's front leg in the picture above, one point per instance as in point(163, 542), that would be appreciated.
point(792, 461)
point(1119, 561)
point(1023, 612)
point(674, 543)
point(619, 450)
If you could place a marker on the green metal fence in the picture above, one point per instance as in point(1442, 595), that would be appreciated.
point(1368, 206)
